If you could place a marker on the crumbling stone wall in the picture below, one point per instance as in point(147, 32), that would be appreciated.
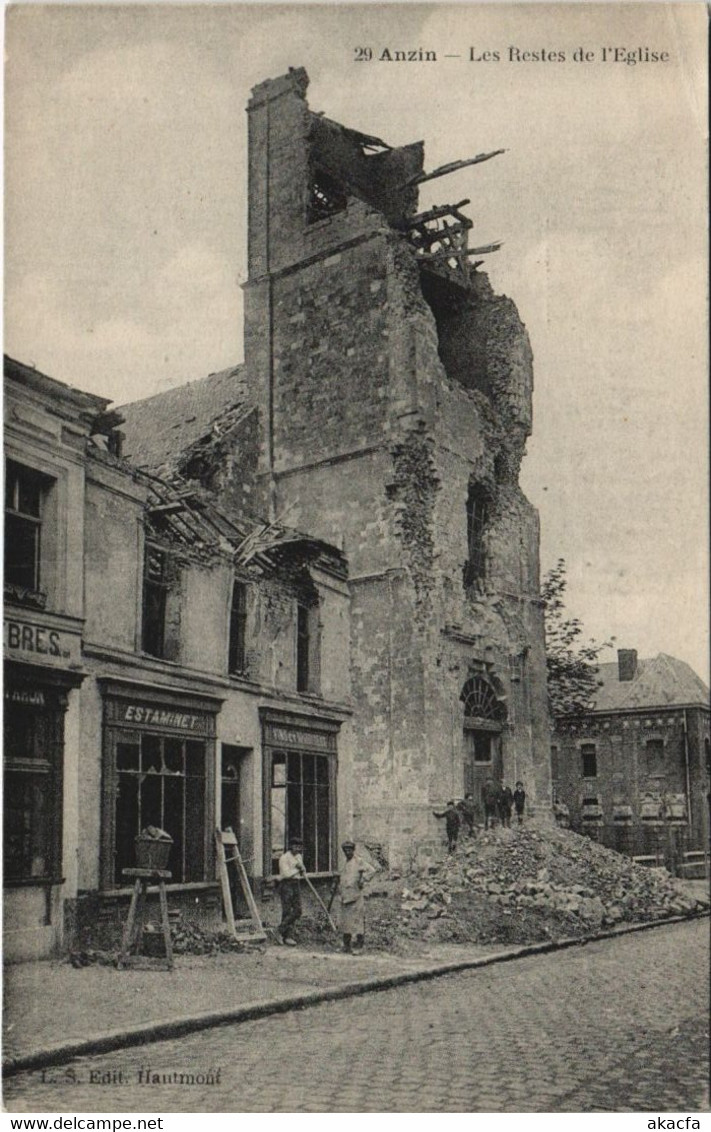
point(330, 356)
point(383, 398)
point(413, 489)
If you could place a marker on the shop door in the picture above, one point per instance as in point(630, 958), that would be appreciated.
point(232, 787)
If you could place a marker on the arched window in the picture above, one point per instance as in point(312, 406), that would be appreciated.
point(480, 701)
point(484, 713)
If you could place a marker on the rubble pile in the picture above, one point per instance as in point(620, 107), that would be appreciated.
point(577, 884)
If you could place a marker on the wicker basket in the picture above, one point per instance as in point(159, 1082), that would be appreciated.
point(152, 854)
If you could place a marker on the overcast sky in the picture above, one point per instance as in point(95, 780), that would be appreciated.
point(126, 218)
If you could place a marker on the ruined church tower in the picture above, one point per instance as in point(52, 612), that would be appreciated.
point(394, 392)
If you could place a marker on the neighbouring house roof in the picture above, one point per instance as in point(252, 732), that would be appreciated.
point(159, 429)
point(662, 681)
point(76, 402)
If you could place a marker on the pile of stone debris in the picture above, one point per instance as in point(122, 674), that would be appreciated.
point(521, 885)
point(551, 870)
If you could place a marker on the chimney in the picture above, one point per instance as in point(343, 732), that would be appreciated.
point(626, 664)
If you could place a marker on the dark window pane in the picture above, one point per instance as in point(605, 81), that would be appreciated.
point(23, 489)
point(174, 790)
point(482, 747)
point(195, 758)
point(302, 649)
point(230, 805)
point(150, 750)
point(294, 826)
point(20, 727)
point(589, 758)
point(155, 590)
point(151, 800)
point(154, 600)
point(28, 826)
point(127, 826)
point(173, 756)
point(10, 488)
point(194, 828)
point(309, 828)
point(308, 771)
point(322, 770)
point(293, 772)
point(323, 862)
point(238, 621)
point(127, 756)
point(22, 552)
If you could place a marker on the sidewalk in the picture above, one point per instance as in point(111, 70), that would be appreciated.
point(50, 1002)
point(53, 1012)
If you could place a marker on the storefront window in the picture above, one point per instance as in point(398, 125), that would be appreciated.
point(301, 807)
point(299, 778)
point(160, 780)
point(30, 793)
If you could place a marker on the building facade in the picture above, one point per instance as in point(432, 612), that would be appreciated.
point(47, 428)
point(183, 670)
point(384, 406)
point(634, 770)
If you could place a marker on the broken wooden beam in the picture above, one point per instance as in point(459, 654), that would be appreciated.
point(456, 253)
point(451, 167)
point(432, 214)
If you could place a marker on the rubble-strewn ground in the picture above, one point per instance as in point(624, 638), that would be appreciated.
point(527, 884)
point(512, 886)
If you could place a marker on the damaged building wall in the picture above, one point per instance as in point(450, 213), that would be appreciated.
point(383, 406)
point(138, 705)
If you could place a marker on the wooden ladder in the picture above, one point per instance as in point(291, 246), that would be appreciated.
point(247, 931)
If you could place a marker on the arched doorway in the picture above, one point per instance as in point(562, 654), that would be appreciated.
point(484, 717)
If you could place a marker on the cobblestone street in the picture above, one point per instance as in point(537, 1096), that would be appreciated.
point(620, 1025)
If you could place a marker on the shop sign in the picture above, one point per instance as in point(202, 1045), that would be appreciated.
point(43, 644)
point(294, 737)
point(159, 716)
point(33, 697)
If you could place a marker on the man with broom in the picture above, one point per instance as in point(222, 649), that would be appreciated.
point(291, 870)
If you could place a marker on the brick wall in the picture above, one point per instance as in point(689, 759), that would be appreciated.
point(639, 758)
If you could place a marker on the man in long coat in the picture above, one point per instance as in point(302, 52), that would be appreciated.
point(354, 874)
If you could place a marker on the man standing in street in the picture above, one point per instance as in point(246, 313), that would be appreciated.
point(519, 798)
point(467, 813)
point(505, 806)
point(291, 869)
point(354, 874)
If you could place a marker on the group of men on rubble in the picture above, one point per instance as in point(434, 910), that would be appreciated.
point(498, 802)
